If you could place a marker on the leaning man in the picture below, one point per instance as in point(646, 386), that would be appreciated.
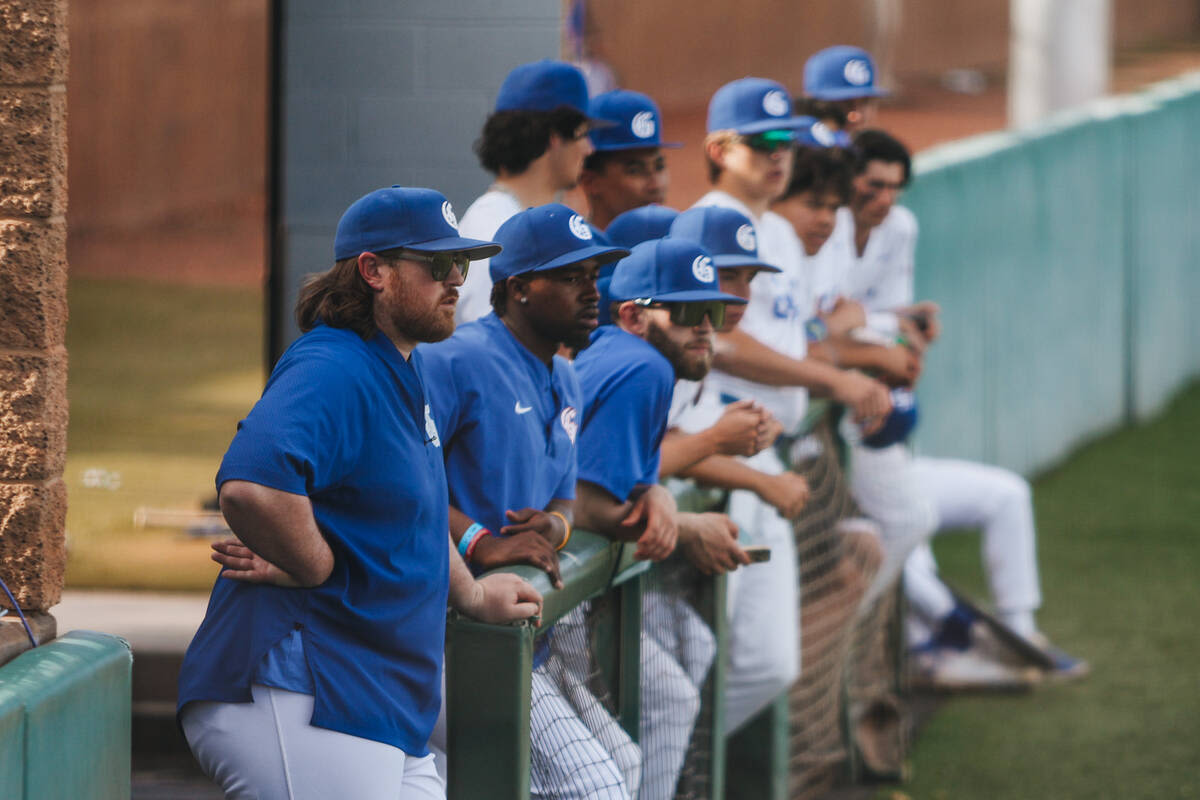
point(316, 671)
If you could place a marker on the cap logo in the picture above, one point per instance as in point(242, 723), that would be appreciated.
point(857, 72)
point(448, 215)
point(746, 238)
point(775, 103)
point(821, 133)
point(702, 268)
point(567, 420)
point(643, 125)
point(579, 227)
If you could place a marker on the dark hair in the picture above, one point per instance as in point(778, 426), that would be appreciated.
point(339, 298)
point(834, 110)
point(500, 297)
point(598, 159)
point(821, 170)
point(875, 145)
point(512, 140)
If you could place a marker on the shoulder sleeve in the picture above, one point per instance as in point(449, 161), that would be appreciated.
point(303, 434)
point(623, 427)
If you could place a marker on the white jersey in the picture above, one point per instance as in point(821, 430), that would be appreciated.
point(780, 304)
point(485, 216)
point(829, 268)
point(881, 279)
point(695, 406)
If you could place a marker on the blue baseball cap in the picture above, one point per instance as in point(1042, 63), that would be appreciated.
point(899, 423)
point(668, 271)
point(544, 86)
point(752, 105)
point(640, 225)
point(841, 72)
point(416, 219)
point(818, 134)
point(728, 235)
point(547, 237)
point(637, 122)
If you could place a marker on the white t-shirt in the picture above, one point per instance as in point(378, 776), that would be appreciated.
point(485, 216)
point(828, 270)
point(780, 304)
point(882, 278)
point(695, 406)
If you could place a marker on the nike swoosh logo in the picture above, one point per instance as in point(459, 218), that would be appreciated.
point(523, 410)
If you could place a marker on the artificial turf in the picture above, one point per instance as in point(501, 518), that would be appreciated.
point(1119, 552)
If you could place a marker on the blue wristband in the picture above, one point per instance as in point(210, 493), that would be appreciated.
point(469, 534)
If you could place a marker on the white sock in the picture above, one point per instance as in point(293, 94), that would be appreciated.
point(1020, 621)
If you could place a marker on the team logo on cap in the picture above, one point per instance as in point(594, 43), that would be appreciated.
point(702, 268)
point(579, 227)
point(821, 133)
point(430, 427)
point(775, 103)
point(643, 125)
point(857, 72)
point(448, 215)
point(746, 238)
point(567, 420)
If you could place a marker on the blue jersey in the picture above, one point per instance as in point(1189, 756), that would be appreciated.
point(346, 423)
point(508, 422)
point(627, 386)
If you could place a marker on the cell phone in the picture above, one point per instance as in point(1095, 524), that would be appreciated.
point(758, 553)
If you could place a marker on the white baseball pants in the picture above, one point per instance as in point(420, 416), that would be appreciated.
point(267, 750)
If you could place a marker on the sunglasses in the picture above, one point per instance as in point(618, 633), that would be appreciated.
point(769, 141)
point(689, 315)
point(440, 264)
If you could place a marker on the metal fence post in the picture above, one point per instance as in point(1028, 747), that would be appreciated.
point(488, 682)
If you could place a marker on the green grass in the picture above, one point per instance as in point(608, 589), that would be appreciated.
point(159, 377)
point(1119, 550)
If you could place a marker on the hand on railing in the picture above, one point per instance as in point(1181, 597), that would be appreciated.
point(709, 541)
point(524, 547)
point(655, 509)
point(501, 598)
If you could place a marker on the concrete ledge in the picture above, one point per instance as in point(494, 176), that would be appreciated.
point(14, 640)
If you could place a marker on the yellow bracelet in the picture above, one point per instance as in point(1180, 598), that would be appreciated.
point(566, 522)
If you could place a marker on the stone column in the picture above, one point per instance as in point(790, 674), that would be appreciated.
point(33, 302)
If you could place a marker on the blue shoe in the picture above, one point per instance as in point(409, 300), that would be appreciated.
point(1066, 666)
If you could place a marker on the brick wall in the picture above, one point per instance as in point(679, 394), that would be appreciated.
point(33, 311)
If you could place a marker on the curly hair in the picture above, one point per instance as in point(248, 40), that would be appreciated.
point(821, 170)
point(512, 140)
point(876, 145)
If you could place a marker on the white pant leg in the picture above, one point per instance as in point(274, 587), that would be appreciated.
point(267, 750)
point(569, 762)
point(681, 632)
point(437, 739)
point(928, 598)
point(884, 483)
point(670, 705)
point(764, 628)
point(971, 495)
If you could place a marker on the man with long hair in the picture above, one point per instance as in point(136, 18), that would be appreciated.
point(315, 672)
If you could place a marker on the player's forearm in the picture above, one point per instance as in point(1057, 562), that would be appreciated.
point(725, 472)
point(462, 582)
point(279, 527)
point(598, 511)
point(739, 353)
point(680, 451)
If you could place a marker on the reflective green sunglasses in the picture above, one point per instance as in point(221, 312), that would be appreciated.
point(769, 141)
point(689, 315)
point(440, 263)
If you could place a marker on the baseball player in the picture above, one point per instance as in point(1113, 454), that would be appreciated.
point(534, 142)
point(668, 298)
point(315, 671)
point(507, 411)
point(840, 90)
point(764, 653)
point(627, 168)
point(749, 149)
point(913, 498)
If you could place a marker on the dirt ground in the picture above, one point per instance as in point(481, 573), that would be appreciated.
point(229, 248)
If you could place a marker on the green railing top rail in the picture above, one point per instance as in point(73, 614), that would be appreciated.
point(589, 565)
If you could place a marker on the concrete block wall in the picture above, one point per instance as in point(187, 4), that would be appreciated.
point(33, 310)
point(375, 93)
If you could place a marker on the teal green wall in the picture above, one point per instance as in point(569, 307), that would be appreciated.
point(1065, 261)
point(65, 720)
